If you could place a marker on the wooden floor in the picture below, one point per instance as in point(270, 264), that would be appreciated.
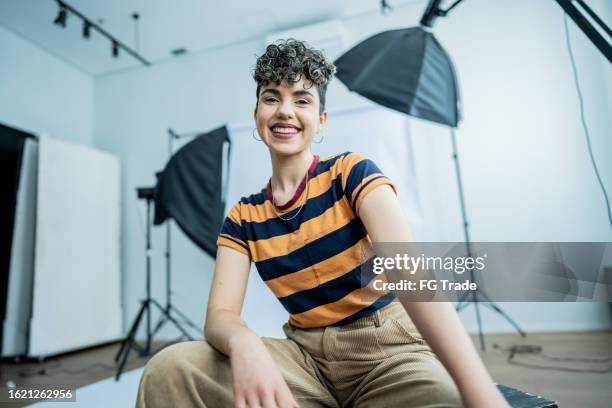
point(569, 389)
point(72, 370)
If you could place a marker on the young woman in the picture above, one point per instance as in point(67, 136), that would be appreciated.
point(347, 345)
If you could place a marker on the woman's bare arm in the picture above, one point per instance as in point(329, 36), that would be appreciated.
point(226, 299)
point(257, 381)
point(438, 322)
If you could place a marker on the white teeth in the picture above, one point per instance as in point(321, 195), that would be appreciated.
point(284, 130)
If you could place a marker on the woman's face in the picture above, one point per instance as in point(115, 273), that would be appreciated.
point(287, 116)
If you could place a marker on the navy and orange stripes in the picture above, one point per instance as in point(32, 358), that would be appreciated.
point(313, 262)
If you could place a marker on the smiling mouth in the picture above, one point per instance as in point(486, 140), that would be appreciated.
point(284, 132)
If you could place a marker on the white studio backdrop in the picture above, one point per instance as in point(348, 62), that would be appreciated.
point(76, 293)
point(380, 134)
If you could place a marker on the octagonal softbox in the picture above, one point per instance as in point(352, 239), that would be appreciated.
point(406, 70)
point(191, 189)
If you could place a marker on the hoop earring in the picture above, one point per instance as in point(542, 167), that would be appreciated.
point(321, 139)
point(253, 134)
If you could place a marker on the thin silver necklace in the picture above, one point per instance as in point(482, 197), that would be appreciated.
point(298, 211)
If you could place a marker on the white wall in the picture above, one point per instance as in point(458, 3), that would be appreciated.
point(133, 111)
point(527, 176)
point(40, 93)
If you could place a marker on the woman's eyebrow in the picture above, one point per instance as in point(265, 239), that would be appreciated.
point(271, 90)
point(295, 93)
point(301, 93)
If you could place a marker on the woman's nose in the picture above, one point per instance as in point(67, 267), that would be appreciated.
point(285, 109)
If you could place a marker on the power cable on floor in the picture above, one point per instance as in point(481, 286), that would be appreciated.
point(524, 349)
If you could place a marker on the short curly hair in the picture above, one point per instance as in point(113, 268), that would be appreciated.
point(287, 60)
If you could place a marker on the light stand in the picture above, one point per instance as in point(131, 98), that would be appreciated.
point(130, 342)
point(474, 296)
point(407, 70)
point(170, 308)
point(478, 296)
point(579, 15)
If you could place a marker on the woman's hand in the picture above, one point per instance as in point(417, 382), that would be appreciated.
point(257, 381)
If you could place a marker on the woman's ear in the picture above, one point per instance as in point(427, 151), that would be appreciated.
point(323, 118)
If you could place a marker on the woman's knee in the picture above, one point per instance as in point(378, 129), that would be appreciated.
point(447, 394)
point(443, 390)
point(177, 375)
point(179, 358)
point(428, 383)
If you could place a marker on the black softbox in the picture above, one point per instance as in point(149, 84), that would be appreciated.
point(406, 70)
point(190, 189)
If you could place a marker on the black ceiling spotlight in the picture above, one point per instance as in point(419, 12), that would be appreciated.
point(60, 20)
point(178, 51)
point(385, 8)
point(434, 11)
point(135, 17)
point(86, 29)
point(115, 49)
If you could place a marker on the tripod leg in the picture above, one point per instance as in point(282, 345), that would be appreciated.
point(132, 330)
point(465, 296)
point(464, 300)
point(462, 305)
point(499, 310)
point(496, 308)
point(124, 359)
point(480, 335)
point(187, 320)
point(130, 339)
point(178, 326)
point(162, 320)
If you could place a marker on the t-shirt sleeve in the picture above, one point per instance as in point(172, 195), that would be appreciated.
point(232, 233)
point(360, 176)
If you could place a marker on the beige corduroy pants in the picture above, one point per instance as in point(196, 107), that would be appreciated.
point(377, 361)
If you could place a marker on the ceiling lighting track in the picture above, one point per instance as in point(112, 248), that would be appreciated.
point(88, 25)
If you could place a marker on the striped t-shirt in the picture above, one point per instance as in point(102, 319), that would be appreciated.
point(312, 262)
